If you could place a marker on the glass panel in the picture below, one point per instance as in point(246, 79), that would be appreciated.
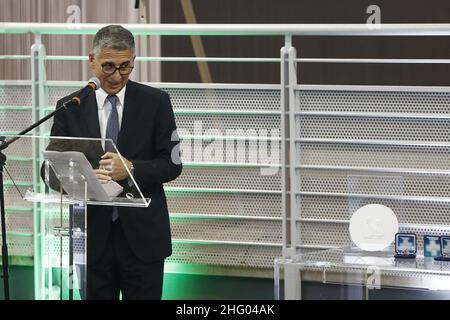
point(359, 272)
point(64, 184)
point(65, 238)
point(87, 153)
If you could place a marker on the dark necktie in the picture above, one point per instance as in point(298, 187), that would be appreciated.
point(112, 127)
point(112, 132)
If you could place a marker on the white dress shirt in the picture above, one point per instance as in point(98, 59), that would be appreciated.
point(104, 109)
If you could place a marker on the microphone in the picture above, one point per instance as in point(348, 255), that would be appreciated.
point(92, 85)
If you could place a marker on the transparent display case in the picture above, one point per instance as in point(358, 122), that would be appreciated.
point(354, 267)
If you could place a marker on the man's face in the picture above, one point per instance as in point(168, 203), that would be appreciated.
point(108, 59)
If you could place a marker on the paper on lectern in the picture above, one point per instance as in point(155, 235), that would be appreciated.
point(96, 191)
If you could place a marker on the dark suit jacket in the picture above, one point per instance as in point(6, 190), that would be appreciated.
point(145, 139)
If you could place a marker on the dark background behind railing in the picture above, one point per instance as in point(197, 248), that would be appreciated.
point(321, 11)
point(249, 11)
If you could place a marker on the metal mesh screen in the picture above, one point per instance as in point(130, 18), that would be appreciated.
point(220, 99)
point(16, 120)
point(15, 95)
point(407, 212)
point(374, 101)
point(398, 161)
point(20, 221)
point(13, 198)
point(214, 190)
point(16, 114)
point(231, 204)
point(21, 170)
point(204, 203)
point(227, 230)
point(21, 148)
point(224, 255)
point(229, 178)
point(345, 182)
point(318, 185)
point(374, 156)
point(20, 245)
point(363, 128)
point(324, 234)
point(228, 125)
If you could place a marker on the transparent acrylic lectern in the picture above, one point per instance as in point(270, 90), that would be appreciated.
point(64, 189)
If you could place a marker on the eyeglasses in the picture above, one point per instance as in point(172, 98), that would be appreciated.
point(109, 68)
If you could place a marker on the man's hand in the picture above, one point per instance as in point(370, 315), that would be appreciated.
point(111, 162)
point(102, 175)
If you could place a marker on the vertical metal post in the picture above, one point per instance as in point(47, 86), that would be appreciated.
point(133, 17)
point(143, 41)
point(85, 47)
point(5, 255)
point(276, 279)
point(294, 182)
point(154, 17)
point(292, 281)
point(288, 250)
point(39, 101)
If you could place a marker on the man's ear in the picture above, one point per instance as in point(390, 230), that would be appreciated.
point(92, 60)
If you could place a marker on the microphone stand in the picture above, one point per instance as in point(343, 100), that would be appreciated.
point(3, 145)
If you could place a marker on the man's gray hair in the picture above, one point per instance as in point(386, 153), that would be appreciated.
point(113, 37)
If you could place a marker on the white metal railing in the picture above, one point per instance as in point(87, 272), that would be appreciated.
point(40, 105)
point(285, 30)
point(419, 29)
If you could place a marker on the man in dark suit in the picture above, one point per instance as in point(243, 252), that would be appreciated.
point(126, 246)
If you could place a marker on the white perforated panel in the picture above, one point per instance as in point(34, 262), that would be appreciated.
point(227, 125)
point(20, 170)
point(14, 199)
point(226, 230)
point(225, 255)
point(203, 99)
point(324, 234)
point(232, 204)
point(16, 120)
point(407, 212)
point(212, 122)
point(225, 99)
point(17, 221)
point(20, 148)
point(345, 182)
point(433, 214)
point(373, 101)
point(363, 128)
point(227, 178)
point(15, 96)
point(374, 156)
point(331, 187)
point(57, 93)
point(20, 245)
point(53, 247)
